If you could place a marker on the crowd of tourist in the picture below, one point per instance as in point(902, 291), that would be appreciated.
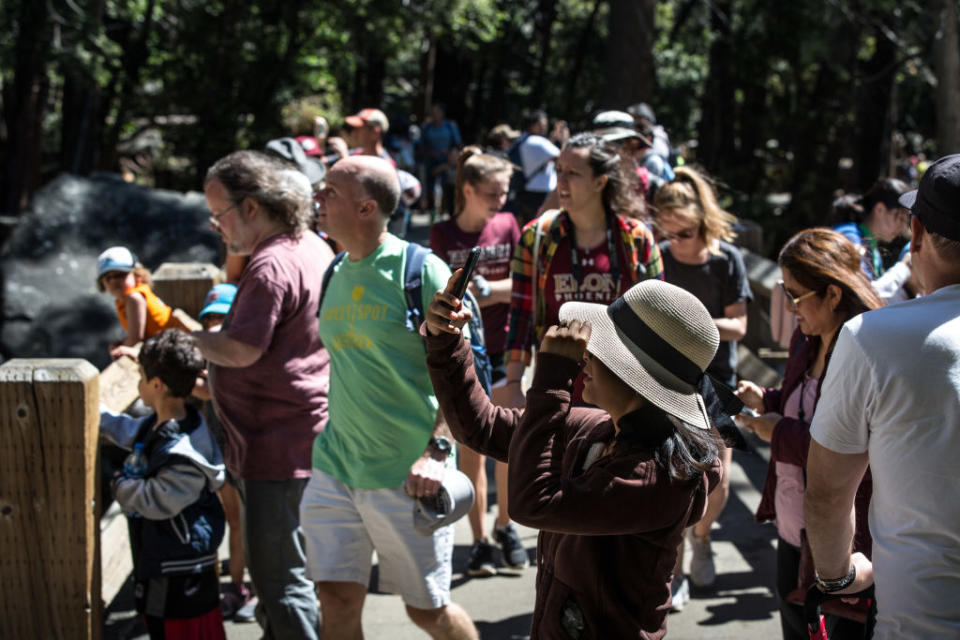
point(612, 297)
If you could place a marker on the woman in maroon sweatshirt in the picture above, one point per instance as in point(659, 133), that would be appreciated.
point(611, 488)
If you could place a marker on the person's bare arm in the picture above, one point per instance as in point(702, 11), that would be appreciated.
point(832, 481)
point(426, 473)
point(224, 351)
point(499, 292)
point(136, 306)
point(733, 324)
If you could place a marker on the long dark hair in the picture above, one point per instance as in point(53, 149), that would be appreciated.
point(682, 450)
point(819, 257)
point(689, 451)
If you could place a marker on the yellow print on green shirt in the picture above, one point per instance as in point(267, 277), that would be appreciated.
point(352, 313)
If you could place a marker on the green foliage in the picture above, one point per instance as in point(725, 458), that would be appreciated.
point(786, 84)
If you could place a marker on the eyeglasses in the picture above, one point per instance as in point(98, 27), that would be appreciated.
point(215, 217)
point(686, 234)
point(794, 301)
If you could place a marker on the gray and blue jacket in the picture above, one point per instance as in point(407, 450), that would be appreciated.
point(179, 521)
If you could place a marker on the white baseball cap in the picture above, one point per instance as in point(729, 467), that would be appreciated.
point(116, 259)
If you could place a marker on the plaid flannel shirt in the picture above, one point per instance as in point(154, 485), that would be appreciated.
point(525, 331)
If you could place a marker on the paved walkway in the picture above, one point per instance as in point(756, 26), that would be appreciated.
point(741, 604)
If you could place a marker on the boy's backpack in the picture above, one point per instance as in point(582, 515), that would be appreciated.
point(416, 254)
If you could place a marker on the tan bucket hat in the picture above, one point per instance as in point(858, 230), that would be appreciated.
point(657, 338)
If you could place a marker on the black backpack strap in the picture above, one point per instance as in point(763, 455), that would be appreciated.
point(326, 278)
point(416, 254)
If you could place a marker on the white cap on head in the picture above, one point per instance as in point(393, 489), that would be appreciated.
point(116, 259)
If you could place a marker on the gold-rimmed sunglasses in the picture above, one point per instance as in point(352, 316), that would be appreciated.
point(794, 301)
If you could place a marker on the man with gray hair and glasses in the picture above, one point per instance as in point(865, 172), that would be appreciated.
point(269, 373)
point(891, 400)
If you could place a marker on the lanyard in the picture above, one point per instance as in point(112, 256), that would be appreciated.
point(611, 248)
point(874, 251)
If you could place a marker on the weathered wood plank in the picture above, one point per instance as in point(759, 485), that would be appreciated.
point(184, 285)
point(49, 576)
point(118, 384)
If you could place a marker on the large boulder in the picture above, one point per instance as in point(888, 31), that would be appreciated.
point(51, 306)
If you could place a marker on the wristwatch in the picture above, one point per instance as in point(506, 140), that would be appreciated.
point(836, 584)
point(441, 445)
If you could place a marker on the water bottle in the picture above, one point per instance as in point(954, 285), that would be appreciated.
point(135, 466)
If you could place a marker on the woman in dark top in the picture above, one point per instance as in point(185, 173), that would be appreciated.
point(697, 257)
point(611, 488)
point(824, 287)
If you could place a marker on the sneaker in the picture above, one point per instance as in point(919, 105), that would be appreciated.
point(679, 593)
point(481, 560)
point(248, 612)
point(233, 600)
point(514, 553)
point(702, 570)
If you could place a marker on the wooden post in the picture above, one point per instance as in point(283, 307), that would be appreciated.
point(185, 285)
point(118, 390)
point(49, 564)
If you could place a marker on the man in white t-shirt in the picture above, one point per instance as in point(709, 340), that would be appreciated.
point(537, 156)
point(891, 399)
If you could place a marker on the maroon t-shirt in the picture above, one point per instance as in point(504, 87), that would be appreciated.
point(272, 410)
point(498, 238)
point(597, 285)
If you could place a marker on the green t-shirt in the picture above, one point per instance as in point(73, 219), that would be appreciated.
point(381, 404)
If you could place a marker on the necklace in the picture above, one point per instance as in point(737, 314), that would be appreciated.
point(611, 249)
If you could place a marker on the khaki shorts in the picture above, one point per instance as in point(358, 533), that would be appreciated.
point(344, 526)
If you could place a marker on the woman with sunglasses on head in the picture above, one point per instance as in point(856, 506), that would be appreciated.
point(824, 287)
point(587, 250)
point(875, 217)
point(697, 257)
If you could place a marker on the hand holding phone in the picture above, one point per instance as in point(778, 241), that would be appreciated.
point(467, 273)
point(748, 412)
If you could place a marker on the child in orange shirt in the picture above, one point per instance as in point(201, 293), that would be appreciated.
point(141, 312)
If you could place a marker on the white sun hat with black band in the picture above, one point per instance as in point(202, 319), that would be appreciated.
point(659, 339)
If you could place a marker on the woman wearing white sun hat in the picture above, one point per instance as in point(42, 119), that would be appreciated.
point(611, 488)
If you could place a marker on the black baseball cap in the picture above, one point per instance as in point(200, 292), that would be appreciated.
point(937, 200)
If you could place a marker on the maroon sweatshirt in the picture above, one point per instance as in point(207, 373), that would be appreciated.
point(608, 532)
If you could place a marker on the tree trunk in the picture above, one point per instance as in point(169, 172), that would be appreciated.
point(25, 105)
point(946, 61)
point(873, 111)
point(134, 57)
point(820, 130)
point(630, 70)
point(716, 132)
point(546, 16)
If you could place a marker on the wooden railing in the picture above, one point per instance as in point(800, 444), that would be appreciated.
point(58, 564)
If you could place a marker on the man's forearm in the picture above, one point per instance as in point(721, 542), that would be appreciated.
point(832, 481)
point(219, 349)
point(440, 427)
point(830, 530)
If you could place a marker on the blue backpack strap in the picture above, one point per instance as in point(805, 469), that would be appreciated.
point(326, 278)
point(416, 254)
